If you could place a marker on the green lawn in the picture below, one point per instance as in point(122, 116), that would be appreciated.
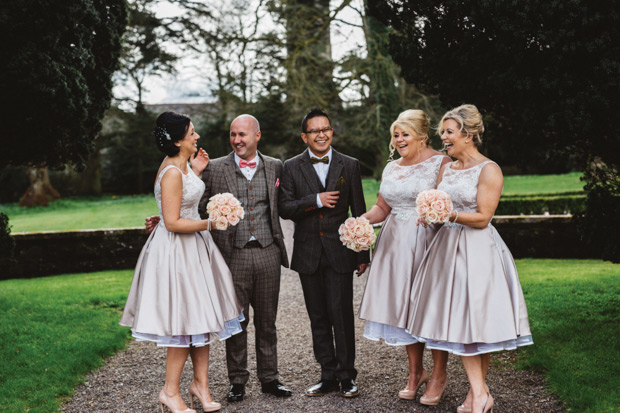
point(56, 329)
point(574, 310)
point(82, 213)
point(130, 211)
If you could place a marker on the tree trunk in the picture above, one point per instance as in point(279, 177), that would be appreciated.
point(90, 178)
point(40, 192)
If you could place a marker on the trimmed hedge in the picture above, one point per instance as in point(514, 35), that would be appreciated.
point(554, 204)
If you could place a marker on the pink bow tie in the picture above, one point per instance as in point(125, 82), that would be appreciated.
point(243, 164)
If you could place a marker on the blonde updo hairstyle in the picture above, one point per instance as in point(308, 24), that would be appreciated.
point(469, 119)
point(415, 123)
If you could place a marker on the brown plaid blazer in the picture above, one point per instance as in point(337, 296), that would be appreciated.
point(316, 228)
point(219, 176)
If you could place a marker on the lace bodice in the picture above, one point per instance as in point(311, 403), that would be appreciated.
point(462, 186)
point(400, 185)
point(193, 188)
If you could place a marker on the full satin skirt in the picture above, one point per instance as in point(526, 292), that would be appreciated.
point(466, 297)
point(397, 255)
point(182, 292)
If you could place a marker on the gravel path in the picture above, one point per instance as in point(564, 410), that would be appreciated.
point(130, 381)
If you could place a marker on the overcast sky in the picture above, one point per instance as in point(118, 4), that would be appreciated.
point(189, 86)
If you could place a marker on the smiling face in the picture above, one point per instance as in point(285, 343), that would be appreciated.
point(189, 143)
point(452, 137)
point(407, 144)
point(244, 137)
point(318, 135)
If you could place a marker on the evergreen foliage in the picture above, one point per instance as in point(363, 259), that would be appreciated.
point(546, 74)
point(7, 244)
point(55, 77)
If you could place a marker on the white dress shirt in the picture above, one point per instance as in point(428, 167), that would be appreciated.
point(321, 170)
point(247, 171)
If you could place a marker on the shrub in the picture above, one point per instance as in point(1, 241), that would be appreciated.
point(554, 204)
point(7, 243)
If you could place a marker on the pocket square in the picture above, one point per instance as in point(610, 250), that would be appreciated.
point(277, 182)
point(341, 181)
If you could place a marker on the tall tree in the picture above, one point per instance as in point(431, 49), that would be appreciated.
point(547, 74)
point(55, 80)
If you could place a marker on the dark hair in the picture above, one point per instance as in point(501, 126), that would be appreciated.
point(314, 113)
point(171, 127)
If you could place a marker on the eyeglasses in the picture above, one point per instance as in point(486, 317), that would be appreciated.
point(318, 132)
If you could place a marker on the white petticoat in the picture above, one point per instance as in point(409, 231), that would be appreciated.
point(474, 349)
point(196, 340)
point(393, 336)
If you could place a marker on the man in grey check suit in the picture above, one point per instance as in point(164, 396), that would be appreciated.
point(318, 188)
point(253, 250)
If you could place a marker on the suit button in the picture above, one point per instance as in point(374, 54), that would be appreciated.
point(320, 233)
point(250, 188)
point(321, 216)
point(252, 230)
point(250, 208)
point(252, 219)
point(251, 197)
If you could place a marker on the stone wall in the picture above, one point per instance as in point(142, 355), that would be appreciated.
point(47, 253)
point(39, 254)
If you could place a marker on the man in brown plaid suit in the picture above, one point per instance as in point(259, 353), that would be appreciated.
point(318, 188)
point(254, 251)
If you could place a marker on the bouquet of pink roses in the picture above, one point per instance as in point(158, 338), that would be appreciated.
point(224, 210)
point(357, 234)
point(434, 206)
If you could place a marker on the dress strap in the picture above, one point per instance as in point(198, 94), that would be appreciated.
point(166, 169)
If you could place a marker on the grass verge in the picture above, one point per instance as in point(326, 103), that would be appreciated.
point(574, 310)
point(55, 330)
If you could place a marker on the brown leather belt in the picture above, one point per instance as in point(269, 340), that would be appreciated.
point(252, 244)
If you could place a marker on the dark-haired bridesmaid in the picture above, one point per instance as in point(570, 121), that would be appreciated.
point(182, 295)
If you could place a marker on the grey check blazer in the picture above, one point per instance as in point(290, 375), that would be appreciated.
point(219, 176)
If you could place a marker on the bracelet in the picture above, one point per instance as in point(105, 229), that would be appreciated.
point(208, 224)
point(456, 216)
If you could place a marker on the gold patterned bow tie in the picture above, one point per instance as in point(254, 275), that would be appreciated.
point(316, 160)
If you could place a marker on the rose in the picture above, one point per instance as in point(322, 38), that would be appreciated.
point(221, 223)
point(350, 223)
point(358, 230)
point(220, 200)
point(429, 196)
point(214, 215)
point(225, 209)
point(233, 219)
point(438, 205)
point(363, 240)
point(432, 217)
point(422, 209)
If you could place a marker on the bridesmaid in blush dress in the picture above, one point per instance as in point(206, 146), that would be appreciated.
point(399, 250)
point(466, 297)
point(182, 295)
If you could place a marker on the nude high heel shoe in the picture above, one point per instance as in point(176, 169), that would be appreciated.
point(410, 394)
point(434, 401)
point(206, 406)
point(165, 400)
point(488, 406)
point(463, 409)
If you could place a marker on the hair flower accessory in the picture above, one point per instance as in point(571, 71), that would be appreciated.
point(162, 133)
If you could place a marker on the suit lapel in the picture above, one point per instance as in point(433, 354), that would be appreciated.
point(230, 175)
point(335, 171)
point(270, 176)
point(309, 173)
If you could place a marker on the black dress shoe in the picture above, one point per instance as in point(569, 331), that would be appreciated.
point(348, 388)
point(236, 393)
point(322, 388)
point(276, 388)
